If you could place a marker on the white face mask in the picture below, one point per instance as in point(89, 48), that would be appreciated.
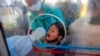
point(36, 7)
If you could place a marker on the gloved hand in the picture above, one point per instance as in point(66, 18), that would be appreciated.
point(38, 34)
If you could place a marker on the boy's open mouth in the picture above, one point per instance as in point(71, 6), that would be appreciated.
point(48, 35)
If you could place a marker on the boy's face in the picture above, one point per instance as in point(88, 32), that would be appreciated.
point(53, 33)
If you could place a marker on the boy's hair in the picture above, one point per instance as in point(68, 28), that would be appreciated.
point(61, 29)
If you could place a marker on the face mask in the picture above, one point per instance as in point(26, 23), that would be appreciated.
point(35, 7)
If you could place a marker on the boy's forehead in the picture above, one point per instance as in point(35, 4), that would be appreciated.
point(54, 27)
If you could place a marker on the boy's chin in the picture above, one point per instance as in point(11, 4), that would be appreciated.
point(48, 39)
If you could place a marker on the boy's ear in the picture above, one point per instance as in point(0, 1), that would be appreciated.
point(60, 37)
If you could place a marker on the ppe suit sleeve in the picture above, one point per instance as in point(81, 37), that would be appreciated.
point(19, 45)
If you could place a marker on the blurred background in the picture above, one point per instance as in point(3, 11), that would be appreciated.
point(14, 14)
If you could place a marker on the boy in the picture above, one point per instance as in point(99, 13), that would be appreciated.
point(21, 45)
point(54, 36)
